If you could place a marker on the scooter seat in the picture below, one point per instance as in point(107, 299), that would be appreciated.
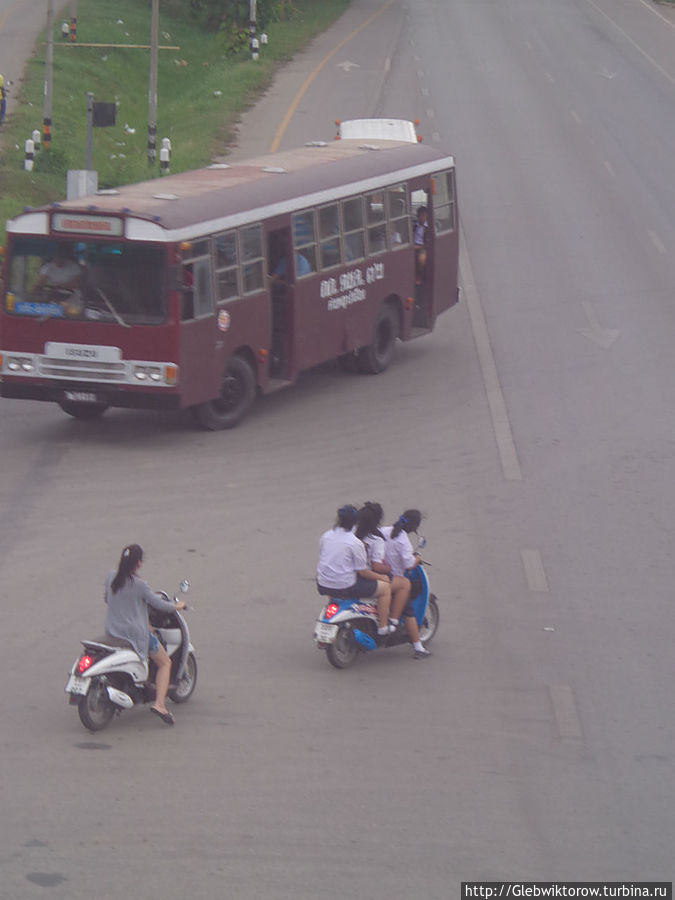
point(109, 641)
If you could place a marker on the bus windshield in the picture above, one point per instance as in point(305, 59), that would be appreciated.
point(82, 280)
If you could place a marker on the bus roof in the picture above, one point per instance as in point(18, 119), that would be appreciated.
point(221, 196)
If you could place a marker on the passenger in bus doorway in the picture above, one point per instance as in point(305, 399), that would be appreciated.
point(420, 241)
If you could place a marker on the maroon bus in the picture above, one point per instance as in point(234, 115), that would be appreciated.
point(200, 289)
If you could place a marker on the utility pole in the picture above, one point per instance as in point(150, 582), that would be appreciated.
point(253, 40)
point(89, 140)
point(152, 85)
point(49, 58)
point(73, 20)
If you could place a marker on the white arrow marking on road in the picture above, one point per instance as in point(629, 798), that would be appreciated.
point(347, 66)
point(603, 337)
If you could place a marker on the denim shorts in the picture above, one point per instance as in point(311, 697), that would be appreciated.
point(153, 644)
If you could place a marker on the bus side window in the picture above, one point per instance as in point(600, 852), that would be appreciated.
point(399, 217)
point(304, 238)
point(251, 245)
point(188, 297)
point(352, 226)
point(329, 236)
point(227, 270)
point(376, 219)
point(202, 290)
point(443, 197)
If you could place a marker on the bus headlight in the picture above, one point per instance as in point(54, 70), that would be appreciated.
point(161, 374)
point(20, 364)
point(148, 373)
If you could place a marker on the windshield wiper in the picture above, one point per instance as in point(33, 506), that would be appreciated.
point(112, 309)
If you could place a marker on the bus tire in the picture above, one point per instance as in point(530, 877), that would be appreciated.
point(83, 411)
point(236, 396)
point(375, 358)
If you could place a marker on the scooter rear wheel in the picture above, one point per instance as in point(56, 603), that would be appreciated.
point(96, 708)
point(343, 651)
point(431, 619)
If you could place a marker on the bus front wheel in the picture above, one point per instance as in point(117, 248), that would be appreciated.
point(237, 393)
point(375, 358)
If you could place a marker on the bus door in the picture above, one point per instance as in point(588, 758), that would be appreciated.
point(282, 281)
point(424, 258)
point(201, 364)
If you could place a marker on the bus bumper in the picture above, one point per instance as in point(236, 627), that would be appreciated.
point(88, 393)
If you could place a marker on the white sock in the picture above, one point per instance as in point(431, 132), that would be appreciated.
point(418, 645)
point(393, 621)
point(383, 630)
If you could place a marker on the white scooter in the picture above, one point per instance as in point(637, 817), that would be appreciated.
point(110, 676)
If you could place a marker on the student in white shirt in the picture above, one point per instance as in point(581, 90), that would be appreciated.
point(399, 554)
point(368, 529)
point(342, 570)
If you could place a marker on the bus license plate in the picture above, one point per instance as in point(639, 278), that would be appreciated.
point(77, 685)
point(324, 633)
point(80, 396)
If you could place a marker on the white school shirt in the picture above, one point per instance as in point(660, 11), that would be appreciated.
point(398, 551)
point(374, 548)
point(341, 556)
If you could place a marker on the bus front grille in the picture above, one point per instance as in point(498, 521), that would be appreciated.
point(82, 370)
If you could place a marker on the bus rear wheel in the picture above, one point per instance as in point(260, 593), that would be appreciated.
point(237, 393)
point(375, 358)
point(84, 411)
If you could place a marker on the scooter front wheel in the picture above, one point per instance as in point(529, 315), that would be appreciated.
point(431, 619)
point(96, 709)
point(343, 651)
point(183, 691)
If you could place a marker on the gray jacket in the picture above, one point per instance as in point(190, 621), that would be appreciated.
point(126, 615)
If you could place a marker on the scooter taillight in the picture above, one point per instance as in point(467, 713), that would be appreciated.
point(85, 662)
point(331, 609)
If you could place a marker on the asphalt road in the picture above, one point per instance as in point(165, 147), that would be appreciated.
point(535, 430)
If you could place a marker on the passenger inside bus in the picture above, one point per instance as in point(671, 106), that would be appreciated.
point(301, 267)
point(188, 299)
point(420, 235)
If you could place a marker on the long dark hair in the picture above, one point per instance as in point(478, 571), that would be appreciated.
point(369, 517)
point(130, 558)
point(408, 521)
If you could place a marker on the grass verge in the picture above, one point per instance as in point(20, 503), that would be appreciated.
point(201, 94)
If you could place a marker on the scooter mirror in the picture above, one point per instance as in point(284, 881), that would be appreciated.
point(421, 542)
point(184, 586)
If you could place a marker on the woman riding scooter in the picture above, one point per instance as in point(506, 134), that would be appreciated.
point(128, 598)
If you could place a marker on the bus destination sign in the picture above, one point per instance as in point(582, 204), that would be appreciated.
point(81, 224)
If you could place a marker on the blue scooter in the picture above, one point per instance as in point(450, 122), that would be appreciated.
point(346, 628)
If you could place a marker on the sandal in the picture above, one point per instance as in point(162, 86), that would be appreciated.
point(166, 717)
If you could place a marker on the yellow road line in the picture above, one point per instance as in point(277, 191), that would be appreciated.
point(274, 146)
